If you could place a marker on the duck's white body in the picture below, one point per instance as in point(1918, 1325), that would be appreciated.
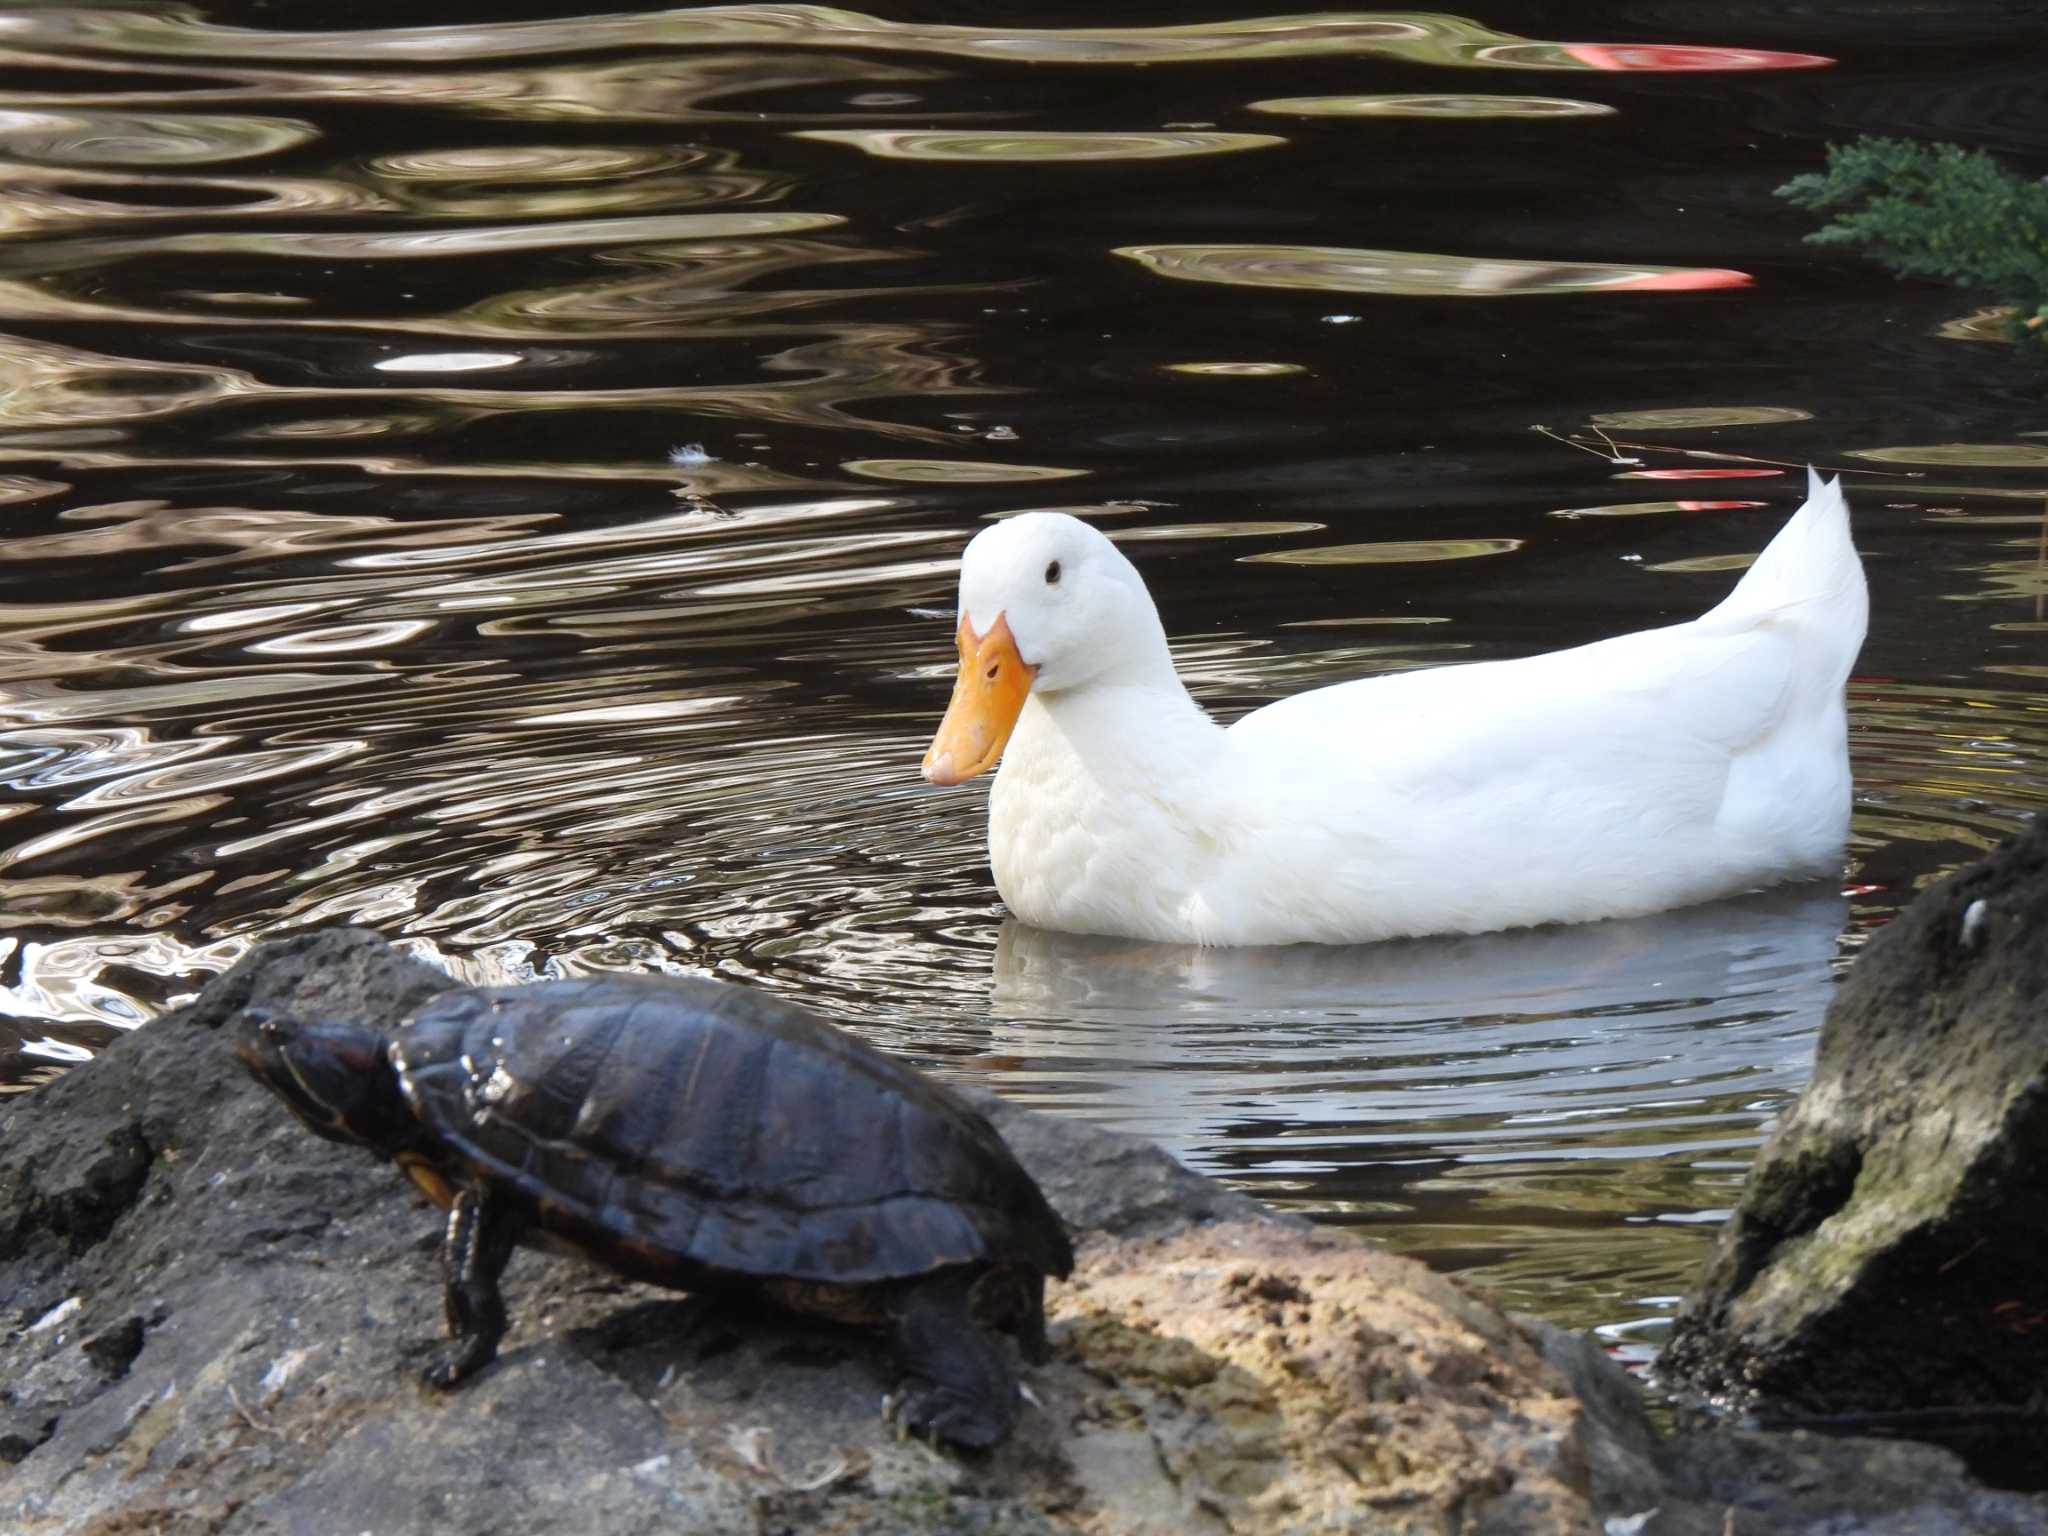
point(1624, 777)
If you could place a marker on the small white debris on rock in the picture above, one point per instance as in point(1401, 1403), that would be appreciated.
point(281, 1371)
point(651, 1468)
point(57, 1316)
point(834, 1468)
point(1629, 1525)
point(755, 1445)
point(1973, 922)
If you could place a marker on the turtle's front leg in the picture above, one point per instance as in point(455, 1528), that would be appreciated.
point(479, 1242)
point(958, 1386)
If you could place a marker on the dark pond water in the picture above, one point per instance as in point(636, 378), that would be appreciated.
point(352, 573)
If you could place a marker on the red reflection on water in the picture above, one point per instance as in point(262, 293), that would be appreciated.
point(1700, 474)
point(1676, 58)
point(1687, 277)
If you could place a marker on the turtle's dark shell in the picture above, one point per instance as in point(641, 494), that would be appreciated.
point(688, 1132)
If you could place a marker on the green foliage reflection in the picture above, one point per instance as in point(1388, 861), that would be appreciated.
point(1941, 211)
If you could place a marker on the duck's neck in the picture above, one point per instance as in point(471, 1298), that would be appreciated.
point(1119, 714)
point(1131, 730)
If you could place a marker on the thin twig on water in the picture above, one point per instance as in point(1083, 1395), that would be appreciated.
point(2041, 565)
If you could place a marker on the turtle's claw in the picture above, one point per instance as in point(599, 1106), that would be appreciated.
point(453, 1365)
point(936, 1414)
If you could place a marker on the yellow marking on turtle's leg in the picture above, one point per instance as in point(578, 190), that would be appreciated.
point(480, 1235)
point(429, 1179)
point(860, 1305)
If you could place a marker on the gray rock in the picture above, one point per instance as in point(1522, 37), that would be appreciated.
point(1887, 1251)
point(1811, 1485)
point(1123, 1186)
point(1621, 1448)
point(498, 1465)
point(215, 1323)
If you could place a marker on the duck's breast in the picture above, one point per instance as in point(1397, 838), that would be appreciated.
point(1096, 821)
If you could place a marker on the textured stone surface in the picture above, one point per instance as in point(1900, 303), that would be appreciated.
point(1301, 1381)
point(1753, 1484)
point(216, 1320)
point(1887, 1253)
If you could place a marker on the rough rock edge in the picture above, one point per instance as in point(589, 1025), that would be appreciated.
point(1901, 1199)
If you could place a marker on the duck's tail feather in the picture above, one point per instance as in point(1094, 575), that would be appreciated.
point(1809, 574)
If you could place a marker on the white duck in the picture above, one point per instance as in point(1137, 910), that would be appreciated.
point(1627, 776)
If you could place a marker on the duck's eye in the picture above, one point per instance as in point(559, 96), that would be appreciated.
point(1052, 573)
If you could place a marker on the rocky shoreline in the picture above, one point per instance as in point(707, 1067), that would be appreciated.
point(215, 1322)
point(1884, 1267)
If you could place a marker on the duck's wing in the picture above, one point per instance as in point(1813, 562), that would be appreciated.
point(1763, 669)
point(1637, 774)
point(1634, 774)
point(1608, 712)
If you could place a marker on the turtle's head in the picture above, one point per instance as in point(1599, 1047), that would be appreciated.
point(336, 1078)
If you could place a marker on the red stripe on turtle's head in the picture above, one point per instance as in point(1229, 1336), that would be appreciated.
point(337, 1078)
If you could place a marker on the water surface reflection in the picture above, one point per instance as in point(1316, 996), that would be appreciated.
point(1394, 1079)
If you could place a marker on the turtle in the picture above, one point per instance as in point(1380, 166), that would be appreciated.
point(703, 1137)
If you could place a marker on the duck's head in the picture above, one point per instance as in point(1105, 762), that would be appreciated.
point(1046, 604)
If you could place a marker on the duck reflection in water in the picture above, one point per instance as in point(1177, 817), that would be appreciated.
point(1489, 1040)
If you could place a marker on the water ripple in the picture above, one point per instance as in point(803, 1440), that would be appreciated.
point(153, 140)
point(1388, 552)
point(954, 472)
point(484, 240)
point(1413, 37)
point(1040, 147)
point(1459, 107)
point(1332, 269)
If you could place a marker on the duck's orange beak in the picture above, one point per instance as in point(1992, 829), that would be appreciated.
point(988, 695)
